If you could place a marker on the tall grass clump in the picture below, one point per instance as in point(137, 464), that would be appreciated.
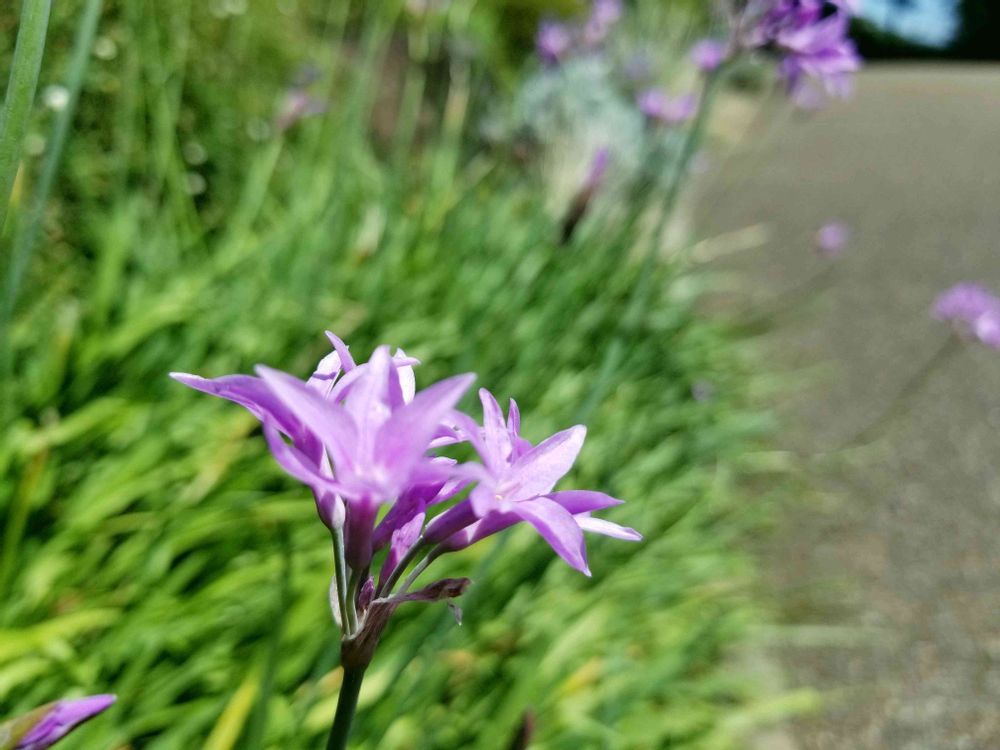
point(236, 177)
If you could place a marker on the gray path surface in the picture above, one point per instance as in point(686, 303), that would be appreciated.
point(890, 576)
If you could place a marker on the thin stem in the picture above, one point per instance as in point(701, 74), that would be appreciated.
point(913, 386)
point(347, 704)
point(415, 573)
point(340, 574)
point(21, 93)
point(401, 567)
point(639, 298)
point(352, 599)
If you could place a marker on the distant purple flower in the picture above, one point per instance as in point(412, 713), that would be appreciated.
point(60, 719)
point(553, 41)
point(656, 105)
point(832, 238)
point(708, 54)
point(604, 14)
point(974, 311)
point(811, 37)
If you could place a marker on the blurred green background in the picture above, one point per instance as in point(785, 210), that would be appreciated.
point(151, 547)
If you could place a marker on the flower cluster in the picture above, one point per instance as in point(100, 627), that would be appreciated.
point(810, 36)
point(48, 724)
point(366, 442)
point(974, 311)
point(556, 40)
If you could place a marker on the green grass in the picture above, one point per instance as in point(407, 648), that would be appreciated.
point(150, 545)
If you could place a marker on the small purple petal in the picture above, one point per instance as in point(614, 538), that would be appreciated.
point(538, 470)
point(403, 439)
point(558, 527)
point(453, 520)
point(583, 501)
point(553, 42)
point(329, 422)
point(61, 719)
point(607, 528)
point(708, 54)
point(496, 437)
point(659, 107)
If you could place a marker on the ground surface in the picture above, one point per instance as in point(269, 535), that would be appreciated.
point(890, 577)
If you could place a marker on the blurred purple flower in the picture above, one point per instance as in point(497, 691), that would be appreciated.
point(708, 54)
point(832, 238)
point(62, 718)
point(973, 310)
point(604, 14)
point(553, 42)
point(811, 37)
point(656, 105)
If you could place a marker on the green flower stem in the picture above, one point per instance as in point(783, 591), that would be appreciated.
point(415, 573)
point(340, 575)
point(21, 93)
point(639, 298)
point(411, 555)
point(347, 704)
point(948, 348)
point(353, 586)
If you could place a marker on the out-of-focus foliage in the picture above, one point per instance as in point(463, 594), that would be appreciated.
point(978, 35)
point(151, 548)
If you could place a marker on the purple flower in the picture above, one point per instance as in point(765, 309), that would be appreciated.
point(362, 437)
point(656, 105)
point(811, 38)
point(56, 721)
point(708, 54)
point(515, 483)
point(832, 238)
point(604, 14)
point(553, 41)
point(357, 435)
point(973, 310)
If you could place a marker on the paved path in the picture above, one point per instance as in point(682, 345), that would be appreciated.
point(890, 576)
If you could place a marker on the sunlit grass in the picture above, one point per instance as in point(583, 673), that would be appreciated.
point(146, 529)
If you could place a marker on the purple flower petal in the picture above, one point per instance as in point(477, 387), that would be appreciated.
point(583, 501)
point(538, 470)
point(708, 54)
point(328, 422)
point(496, 437)
point(607, 528)
point(404, 437)
point(558, 527)
point(62, 718)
